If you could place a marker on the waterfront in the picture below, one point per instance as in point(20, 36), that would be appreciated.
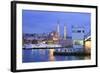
point(44, 55)
point(57, 33)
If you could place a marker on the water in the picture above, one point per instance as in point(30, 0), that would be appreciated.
point(44, 55)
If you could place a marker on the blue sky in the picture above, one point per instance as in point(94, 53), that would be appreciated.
point(46, 21)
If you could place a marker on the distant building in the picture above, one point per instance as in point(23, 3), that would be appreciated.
point(54, 36)
point(66, 43)
point(78, 38)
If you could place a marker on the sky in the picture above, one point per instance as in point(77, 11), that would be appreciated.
point(47, 21)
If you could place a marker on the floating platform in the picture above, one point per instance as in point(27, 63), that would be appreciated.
point(71, 54)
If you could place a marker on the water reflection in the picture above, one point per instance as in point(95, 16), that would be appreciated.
point(43, 55)
point(51, 56)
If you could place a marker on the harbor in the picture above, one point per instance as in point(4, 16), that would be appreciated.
point(57, 36)
point(53, 47)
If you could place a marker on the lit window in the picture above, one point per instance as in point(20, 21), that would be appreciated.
point(78, 42)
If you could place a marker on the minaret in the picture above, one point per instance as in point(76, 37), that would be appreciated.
point(65, 33)
point(58, 28)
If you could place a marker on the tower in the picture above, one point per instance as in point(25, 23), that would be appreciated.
point(58, 28)
point(65, 33)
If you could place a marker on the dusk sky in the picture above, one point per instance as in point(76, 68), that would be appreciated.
point(45, 22)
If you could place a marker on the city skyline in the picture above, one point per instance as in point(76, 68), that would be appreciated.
point(55, 36)
point(45, 21)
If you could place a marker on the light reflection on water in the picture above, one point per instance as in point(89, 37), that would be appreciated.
point(43, 55)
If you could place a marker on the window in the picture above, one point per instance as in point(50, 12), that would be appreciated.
point(79, 31)
point(78, 42)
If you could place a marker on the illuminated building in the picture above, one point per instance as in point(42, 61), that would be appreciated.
point(88, 45)
point(54, 37)
point(78, 38)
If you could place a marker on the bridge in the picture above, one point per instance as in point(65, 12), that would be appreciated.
point(88, 37)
